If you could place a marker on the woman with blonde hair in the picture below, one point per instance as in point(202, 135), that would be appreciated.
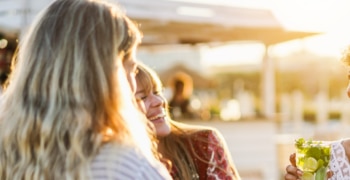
point(68, 111)
point(196, 152)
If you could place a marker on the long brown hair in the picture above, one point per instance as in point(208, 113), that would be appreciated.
point(172, 146)
point(178, 146)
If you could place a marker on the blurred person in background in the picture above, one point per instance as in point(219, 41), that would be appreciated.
point(339, 166)
point(196, 152)
point(180, 103)
point(68, 111)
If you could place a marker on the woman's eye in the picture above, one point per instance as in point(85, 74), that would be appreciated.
point(141, 98)
point(144, 97)
point(156, 92)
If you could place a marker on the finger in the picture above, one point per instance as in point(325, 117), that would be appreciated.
point(290, 177)
point(329, 174)
point(292, 170)
point(292, 159)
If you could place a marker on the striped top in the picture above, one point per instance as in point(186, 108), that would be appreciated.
point(116, 162)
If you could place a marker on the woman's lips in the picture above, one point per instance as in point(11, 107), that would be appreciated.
point(157, 118)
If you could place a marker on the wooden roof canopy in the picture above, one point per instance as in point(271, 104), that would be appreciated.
point(176, 22)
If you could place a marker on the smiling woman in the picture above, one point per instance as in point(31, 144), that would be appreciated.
point(195, 152)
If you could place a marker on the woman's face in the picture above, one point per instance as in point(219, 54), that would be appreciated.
point(154, 105)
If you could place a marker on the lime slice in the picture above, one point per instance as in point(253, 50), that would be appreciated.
point(310, 164)
point(307, 176)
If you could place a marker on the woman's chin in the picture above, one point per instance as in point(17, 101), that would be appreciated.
point(162, 130)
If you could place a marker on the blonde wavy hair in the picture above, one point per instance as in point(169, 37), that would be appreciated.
point(68, 95)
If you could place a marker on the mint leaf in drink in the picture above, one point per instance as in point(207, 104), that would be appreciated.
point(299, 143)
point(314, 152)
point(320, 163)
point(321, 173)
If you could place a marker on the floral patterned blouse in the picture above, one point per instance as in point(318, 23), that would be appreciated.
point(210, 156)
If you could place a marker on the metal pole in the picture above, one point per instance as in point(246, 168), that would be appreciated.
point(268, 86)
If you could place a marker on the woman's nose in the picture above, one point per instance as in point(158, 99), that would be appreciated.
point(157, 100)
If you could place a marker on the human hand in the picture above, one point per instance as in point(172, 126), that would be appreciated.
point(293, 173)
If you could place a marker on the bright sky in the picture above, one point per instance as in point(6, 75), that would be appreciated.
point(329, 16)
point(236, 53)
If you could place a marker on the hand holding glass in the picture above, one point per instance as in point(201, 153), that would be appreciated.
point(312, 157)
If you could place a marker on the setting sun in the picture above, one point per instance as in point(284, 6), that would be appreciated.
point(328, 17)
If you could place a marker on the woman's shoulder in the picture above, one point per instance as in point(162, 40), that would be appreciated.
point(125, 161)
point(115, 154)
point(206, 137)
point(345, 142)
point(199, 135)
point(346, 146)
point(205, 132)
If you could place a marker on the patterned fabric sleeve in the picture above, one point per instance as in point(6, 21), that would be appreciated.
point(339, 163)
point(220, 166)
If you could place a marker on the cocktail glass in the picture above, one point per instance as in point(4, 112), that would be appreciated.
point(312, 157)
